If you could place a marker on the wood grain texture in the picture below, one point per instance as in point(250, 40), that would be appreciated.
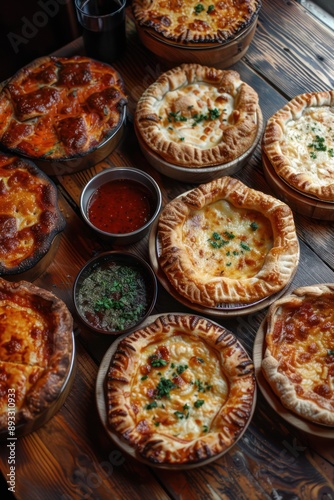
point(71, 457)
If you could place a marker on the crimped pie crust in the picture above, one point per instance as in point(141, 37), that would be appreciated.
point(196, 116)
point(224, 242)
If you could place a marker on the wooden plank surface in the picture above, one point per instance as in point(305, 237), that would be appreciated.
point(71, 456)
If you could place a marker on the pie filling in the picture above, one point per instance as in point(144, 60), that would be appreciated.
point(225, 241)
point(303, 344)
point(179, 388)
point(308, 142)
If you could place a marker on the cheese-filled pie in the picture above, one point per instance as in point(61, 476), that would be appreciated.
point(180, 390)
point(197, 116)
point(299, 143)
point(298, 361)
point(224, 242)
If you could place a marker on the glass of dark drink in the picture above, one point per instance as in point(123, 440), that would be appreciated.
point(103, 28)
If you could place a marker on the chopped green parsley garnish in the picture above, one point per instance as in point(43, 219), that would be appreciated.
point(331, 152)
point(318, 144)
point(179, 414)
point(313, 155)
point(254, 226)
point(181, 368)
point(244, 246)
point(200, 386)
point(177, 117)
point(228, 264)
point(164, 387)
point(210, 9)
point(330, 352)
point(156, 363)
point(199, 8)
point(228, 235)
point(216, 241)
point(205, 428)
point(144, 377)
point(201, 360)
point(149, 406)
point(157, 424)
point(214, 113)
point(199, 403)
point(186, 407)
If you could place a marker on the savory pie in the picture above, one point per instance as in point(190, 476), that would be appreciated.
point(35, 350)
point(60, 108)
point(299, 358)
point(210, 21)
point(299, 143)
point(196, 116)
point(29, 215)
point(224, 242)
point(180, 390)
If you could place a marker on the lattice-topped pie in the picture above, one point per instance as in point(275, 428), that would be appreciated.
point(36, 349)
point(180, 390)
point(299, 143)
point(196, 116)
point(299, 357)
point(210, 21)
point(224, 242)
point(60, 108)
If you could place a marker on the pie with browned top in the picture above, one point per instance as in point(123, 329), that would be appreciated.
point(60, 108)
point(180, 390)
point(29, 215)
point(36, 350)
point(208, 21)
point(196, 116)
point(299, 143)
point(298, 362)
point(224, 242)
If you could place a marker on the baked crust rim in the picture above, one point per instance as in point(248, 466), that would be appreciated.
point(237, 137)
point(161, 448)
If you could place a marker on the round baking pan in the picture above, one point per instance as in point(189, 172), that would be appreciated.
point(298, 202)
point(201, 174)
point(273, 399)
point(100, 395)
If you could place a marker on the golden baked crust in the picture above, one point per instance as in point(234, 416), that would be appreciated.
point(299, 143)
point(60, 108)
point(224, 242)
point(180, 390)
point(29, 215)
point(35, 349)
point(211, 21)
point(299, 358)
point(196, 116)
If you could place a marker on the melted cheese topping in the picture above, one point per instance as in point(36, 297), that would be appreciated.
point(60, 108)
point(223, 240)
point(195, 114)
point(309, 144)
point(24, 336)
point(179, 387)
point(303, 343)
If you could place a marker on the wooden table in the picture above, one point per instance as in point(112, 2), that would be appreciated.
point(71, 457)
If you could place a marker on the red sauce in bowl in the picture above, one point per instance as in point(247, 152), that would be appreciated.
point(120, 206)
